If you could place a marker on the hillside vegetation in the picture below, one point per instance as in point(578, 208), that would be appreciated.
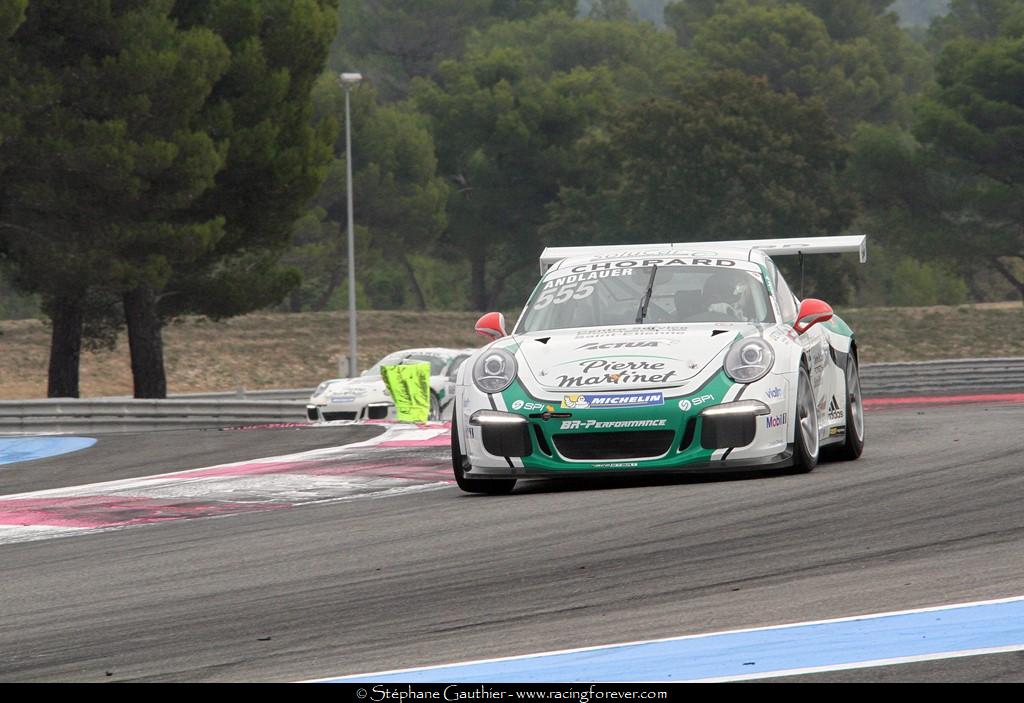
point(276, 350)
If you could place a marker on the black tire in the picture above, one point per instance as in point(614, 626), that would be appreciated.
point(489, 486)
point(435, 408)
point(806, 445)
point(853, 446)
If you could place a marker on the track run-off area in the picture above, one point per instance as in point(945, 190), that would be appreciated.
point(298, 553)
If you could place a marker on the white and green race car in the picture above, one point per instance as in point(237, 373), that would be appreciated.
point(660, 358)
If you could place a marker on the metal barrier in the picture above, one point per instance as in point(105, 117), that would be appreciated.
point(210, 410)
point(62, 415)
point(946, 377)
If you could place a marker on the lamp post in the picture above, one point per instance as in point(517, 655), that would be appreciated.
point(348, 81)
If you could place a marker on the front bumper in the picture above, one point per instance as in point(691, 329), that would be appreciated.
point(781, 460)
point(318, 412)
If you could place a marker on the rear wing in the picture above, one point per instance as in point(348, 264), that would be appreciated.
point(772, 247)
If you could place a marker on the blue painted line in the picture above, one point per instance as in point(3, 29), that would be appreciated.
point(15, 449)
point(826, 644)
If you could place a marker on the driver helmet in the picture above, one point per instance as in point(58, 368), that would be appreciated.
point(724, 287)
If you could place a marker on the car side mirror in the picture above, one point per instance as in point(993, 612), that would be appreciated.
point(492, 326)
point(812, 311)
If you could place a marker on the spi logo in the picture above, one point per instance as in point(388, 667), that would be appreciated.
point(523, 405)
point(688, 403)
point(773, 394)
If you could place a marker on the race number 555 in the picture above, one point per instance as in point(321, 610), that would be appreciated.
point(570, 291)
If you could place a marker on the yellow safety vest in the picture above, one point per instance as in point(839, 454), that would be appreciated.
point(409, 385)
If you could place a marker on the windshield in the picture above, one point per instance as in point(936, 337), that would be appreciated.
point(436, 362)
point(678, 294)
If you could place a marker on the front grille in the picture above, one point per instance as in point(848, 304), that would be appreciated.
point(598, 446)
point(312, 414)
point(339, 416)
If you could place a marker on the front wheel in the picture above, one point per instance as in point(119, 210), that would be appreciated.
point(435, 408)
point(489, 486)
point(805, 435)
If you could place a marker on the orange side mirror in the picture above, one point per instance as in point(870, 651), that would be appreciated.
point(492, 326)
point(812, 311)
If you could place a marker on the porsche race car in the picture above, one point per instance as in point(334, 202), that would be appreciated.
point(691, 357)
point(366, 397)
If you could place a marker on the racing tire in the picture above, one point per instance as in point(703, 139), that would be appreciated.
point(853, 446)
point(806, 445)
point(489, 486)
point(435, 408)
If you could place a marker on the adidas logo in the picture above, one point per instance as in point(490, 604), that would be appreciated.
point(834, 411)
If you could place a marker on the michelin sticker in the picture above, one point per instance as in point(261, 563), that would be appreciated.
point(579, 401)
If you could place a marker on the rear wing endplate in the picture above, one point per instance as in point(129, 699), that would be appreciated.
point(772, 247)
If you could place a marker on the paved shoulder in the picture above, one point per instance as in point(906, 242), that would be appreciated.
point(131, 455)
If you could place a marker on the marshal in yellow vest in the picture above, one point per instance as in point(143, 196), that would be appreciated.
point(409, 385)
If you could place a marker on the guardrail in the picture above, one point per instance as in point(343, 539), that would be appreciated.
point(62, 415)
point(240, 407)
point(945, 377)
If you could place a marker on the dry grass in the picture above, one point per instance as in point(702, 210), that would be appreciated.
point(939, 332)
point(276, 350)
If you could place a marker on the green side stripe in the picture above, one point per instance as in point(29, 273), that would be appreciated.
point(839, 326)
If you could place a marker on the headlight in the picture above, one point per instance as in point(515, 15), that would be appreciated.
point(494, 371)
point(321, 388)
point(749, 359)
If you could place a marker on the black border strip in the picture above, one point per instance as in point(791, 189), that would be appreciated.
point(743, 388)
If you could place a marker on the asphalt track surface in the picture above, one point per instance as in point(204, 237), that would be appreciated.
point(931, 514)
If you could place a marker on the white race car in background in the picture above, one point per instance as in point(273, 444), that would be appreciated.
point(366, 397)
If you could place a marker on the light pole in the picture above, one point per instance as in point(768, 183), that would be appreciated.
point(348, 81)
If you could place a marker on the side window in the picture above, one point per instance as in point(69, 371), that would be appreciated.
point(453, 370)
point(787, 301)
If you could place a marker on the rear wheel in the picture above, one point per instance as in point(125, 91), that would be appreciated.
point(853, 447)
point(490, 486)
point(805, 434)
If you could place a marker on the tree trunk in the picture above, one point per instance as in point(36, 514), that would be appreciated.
point(417, 291)
point(1008, 275)
point(499, 285)
point(320, 304)
point(65, 347)
point(145, 343)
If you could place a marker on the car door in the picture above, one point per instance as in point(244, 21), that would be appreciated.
point(815, 344)
point(452, 373)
